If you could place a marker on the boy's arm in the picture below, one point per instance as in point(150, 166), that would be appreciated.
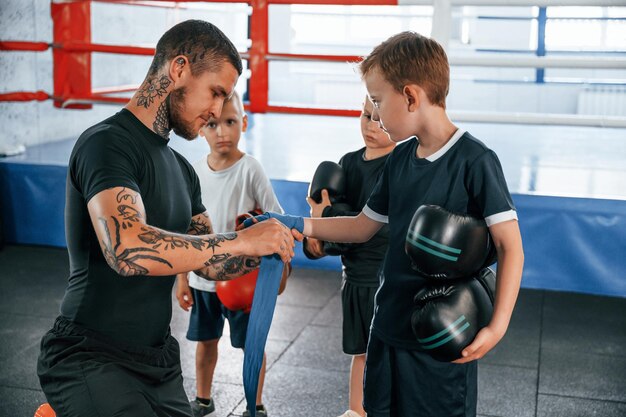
point(357, 229)
point(508, 241)
point(133, 247)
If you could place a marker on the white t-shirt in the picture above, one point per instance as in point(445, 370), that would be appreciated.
point(230, 192)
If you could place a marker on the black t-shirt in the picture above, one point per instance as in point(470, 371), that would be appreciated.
point(463, 177)
point(122, 152)
point(361, 262)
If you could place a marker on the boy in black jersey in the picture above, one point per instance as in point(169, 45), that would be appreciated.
point(361, 263)
point(407, 79)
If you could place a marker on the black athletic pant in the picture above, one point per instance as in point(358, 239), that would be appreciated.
point(84, 375)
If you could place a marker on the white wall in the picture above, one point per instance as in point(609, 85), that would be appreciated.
point(32, 123)
point(307, 84)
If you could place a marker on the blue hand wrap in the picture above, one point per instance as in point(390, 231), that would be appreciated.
point(263, 305)
point(292, 222)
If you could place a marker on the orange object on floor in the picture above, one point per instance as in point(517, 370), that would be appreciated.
point(45, 410)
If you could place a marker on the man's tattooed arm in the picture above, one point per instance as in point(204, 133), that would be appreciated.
point(228, 267)
point(220, 267)
point(132, 247)
point(200, 225)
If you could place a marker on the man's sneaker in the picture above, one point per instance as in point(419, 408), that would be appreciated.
point(350, 413)
point(260, 412)
point(201, 410)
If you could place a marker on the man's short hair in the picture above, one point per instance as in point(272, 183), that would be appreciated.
point(410, 58)
point(205, 46)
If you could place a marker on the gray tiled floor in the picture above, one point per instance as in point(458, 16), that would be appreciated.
point(564, 354)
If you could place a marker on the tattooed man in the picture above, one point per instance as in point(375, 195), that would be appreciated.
point(134, 219)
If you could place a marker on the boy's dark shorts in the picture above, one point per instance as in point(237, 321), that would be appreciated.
point(409, 383)
point(206, 321)
point(357, 303)
point(82, 374)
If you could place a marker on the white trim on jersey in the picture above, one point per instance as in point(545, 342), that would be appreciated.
point(441, 152)
point(375, 216)
point(501, 217)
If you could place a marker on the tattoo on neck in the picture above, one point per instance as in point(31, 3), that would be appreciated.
point(152, 88)
point(161, 125)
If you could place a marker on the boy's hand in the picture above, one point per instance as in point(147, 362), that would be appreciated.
point(318, 208)
point(484, 341)
point(183, 292)
point(314, 247)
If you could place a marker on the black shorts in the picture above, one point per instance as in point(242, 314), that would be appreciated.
point(206, 321)
point(358, 309)
point(83, 374)
point(409, 383)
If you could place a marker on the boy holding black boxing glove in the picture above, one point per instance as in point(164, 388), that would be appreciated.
point(407, 79)
point(360, 171)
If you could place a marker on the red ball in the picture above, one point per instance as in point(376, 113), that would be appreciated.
point(45, 410)
point(238, 293)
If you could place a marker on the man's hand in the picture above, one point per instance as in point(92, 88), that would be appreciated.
point(267, 238)
point(318, 208)
point(183, 292)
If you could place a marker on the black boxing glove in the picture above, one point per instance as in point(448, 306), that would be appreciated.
point(449, 315)
point(444, 245)
point(328, 175)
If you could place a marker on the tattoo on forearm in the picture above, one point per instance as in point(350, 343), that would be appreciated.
point(157, 238)
point(199, 227)
point(213, 242)
point(252, 262)
point(216, 259)
point(125, 262)
point(224, 267)
point(151, 89)
point(231, 267)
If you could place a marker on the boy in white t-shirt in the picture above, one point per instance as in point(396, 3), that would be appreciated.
point(232, 183)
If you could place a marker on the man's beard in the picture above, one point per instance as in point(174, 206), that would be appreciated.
point(176, 110)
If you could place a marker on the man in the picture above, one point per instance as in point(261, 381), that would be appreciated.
point(134, 219)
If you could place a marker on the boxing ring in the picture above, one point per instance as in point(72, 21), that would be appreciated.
point(571, 205)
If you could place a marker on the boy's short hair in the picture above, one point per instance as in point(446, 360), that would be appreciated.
point(235, 98)
point(410, 58)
